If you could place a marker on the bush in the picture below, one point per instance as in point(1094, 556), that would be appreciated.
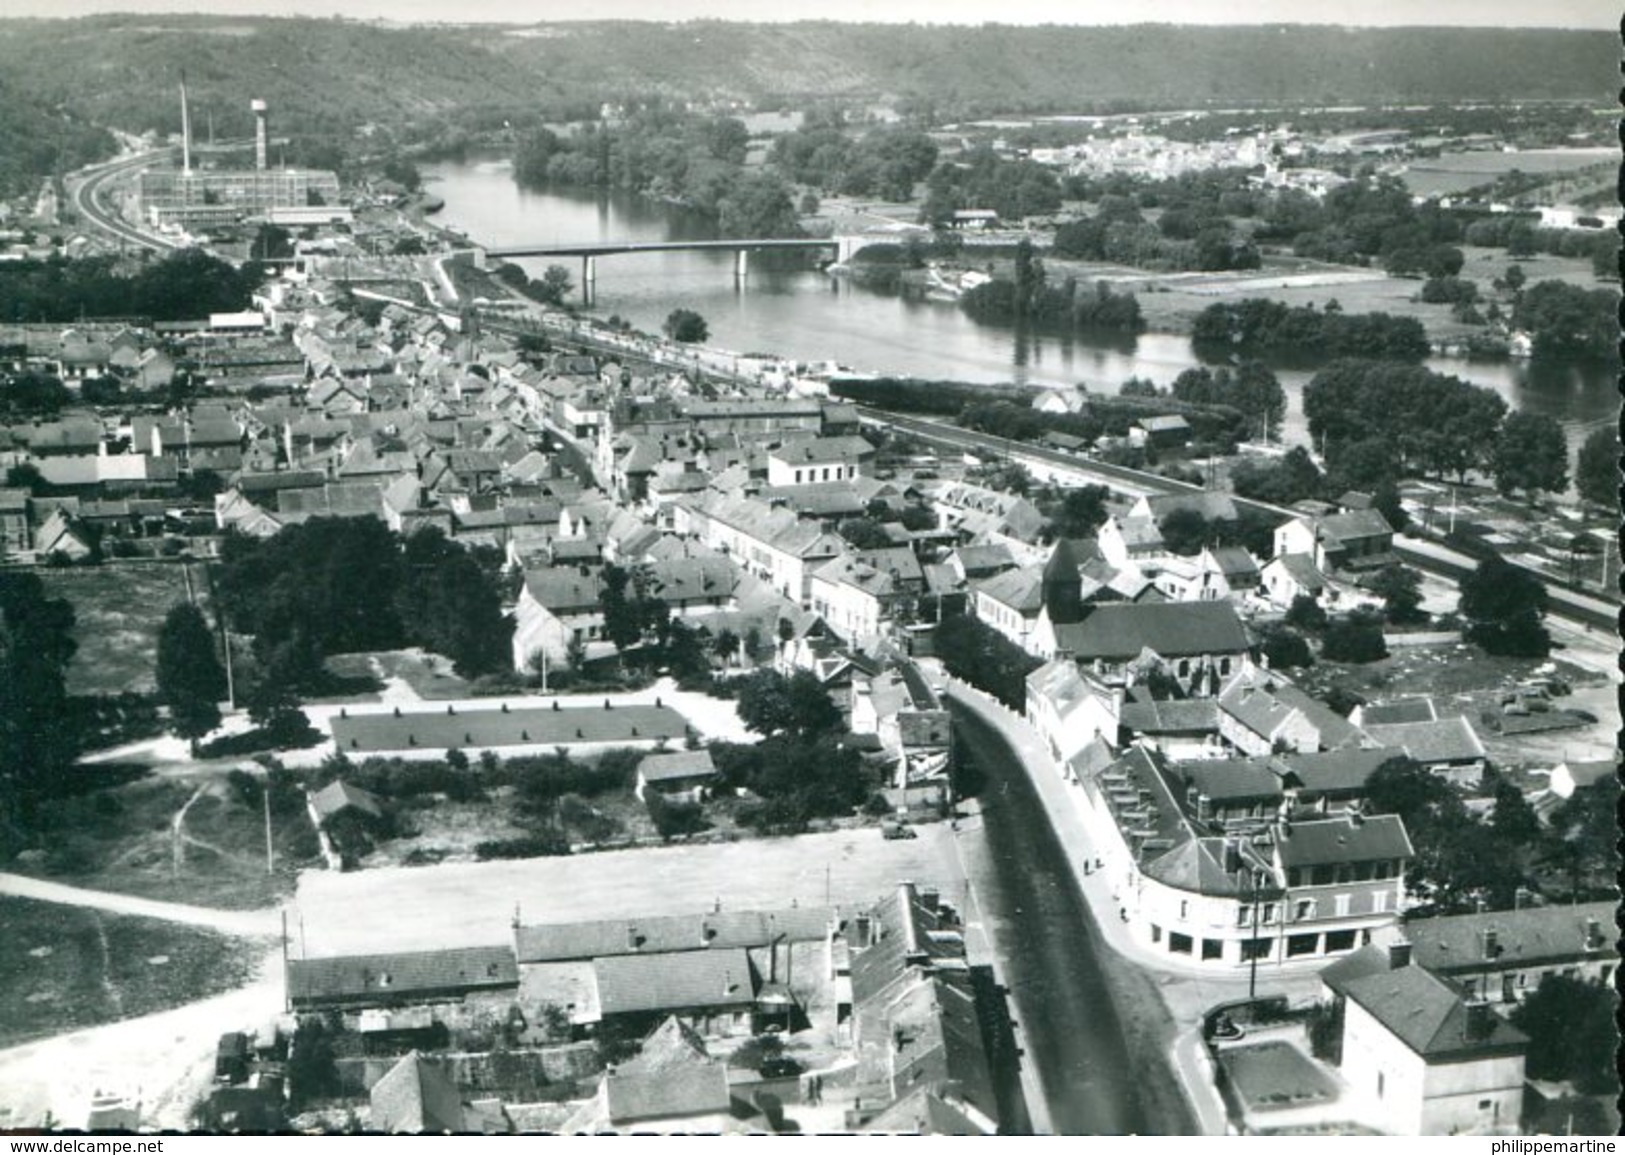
point(1284, 648)
point(673, 819)
point(1306, 614)
point(547, 845)
point(1356, 637)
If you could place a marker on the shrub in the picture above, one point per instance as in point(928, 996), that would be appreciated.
point(672, 819)
point(1356, 637)
point(546, 845)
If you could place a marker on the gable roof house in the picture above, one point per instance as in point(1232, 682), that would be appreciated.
point(557, 604)
point(1201, 643)
point(383, 980)
point(1425, 1060)
point(921, 1060)
point(1358, 540)
point(1261, 712)
point(415, 1097)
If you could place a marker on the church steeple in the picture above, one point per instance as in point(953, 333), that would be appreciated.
point(1062, 586)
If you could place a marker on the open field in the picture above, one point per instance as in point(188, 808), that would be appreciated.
point(66, 967)
point(123, 840)
point(119, 609)
point(1453, 172)
point(466, 904)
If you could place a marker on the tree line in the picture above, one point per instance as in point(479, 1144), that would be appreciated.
point(182, 286)
point(1256, 325)
point(688, 159)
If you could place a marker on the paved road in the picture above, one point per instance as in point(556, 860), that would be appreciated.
point(1074, 1031)
point(86, 200)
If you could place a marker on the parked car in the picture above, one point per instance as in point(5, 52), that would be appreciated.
point(895, 831)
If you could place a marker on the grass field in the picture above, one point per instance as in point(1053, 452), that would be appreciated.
point(122, 840)
point(119, 609)
point(1454, 172)
point(67, 967)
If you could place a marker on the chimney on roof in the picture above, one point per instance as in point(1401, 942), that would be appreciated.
point(1492, 946)
point(1594, 939)
point(1399, 955)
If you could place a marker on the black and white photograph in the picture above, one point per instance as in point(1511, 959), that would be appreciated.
point(735, 567)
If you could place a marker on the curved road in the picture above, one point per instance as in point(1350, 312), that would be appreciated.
point(1098, 1039)
point(86, 196)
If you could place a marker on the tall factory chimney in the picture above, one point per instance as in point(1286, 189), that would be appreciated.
point(259, 134)
point(186, 130)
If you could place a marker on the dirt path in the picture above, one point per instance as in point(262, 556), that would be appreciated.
point(164, 1059)
point(236, 922)
point(177, 838)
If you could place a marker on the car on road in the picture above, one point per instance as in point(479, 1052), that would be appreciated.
point(896, 831)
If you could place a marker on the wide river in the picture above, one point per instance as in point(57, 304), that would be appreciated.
point(809, 316)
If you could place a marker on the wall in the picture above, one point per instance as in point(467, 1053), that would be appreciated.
point(1453, 1094)
point(1372, 1056)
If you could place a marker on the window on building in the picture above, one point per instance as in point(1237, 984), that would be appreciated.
point(1365, 938)
point(1179, 943)
point(1298, 945)
point(1184, 908)
point(1322, 876)
point(1509, 989)
point(1379, 901)
point(1269, 912)
point(1339, 940)
point(1303, 909)
point(1381, 1084)
point(1184, 667)
point(1224, 663)
point(1244, 915)
point(1340, 905)
point(1294, 876)
point(1212, 948)
point(1257, 948)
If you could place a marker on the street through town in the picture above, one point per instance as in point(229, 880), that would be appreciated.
point(1097, 1037)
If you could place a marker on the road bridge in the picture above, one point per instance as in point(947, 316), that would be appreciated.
point(840, 247)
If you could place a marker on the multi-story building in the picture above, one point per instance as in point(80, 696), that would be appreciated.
point(203, 198)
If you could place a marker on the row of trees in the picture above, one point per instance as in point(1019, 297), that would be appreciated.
point(1181, 239)
point(1256, 325)
point(181, 286)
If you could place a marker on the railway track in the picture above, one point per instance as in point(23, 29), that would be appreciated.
point(1438, 561)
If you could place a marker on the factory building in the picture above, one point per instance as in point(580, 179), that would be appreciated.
point(190, 198)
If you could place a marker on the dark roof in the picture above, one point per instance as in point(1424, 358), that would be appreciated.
point(1349, 839)
point(1426, 1014)
point(415, 1096)
point(1195, 715)
point(1119, 632)
point(1356, 523)
point(672, 1075)
point(337, 797)
point(1020, 589)
point(683, 980)
point(1533, 935)
point(484, 728)
point(681, 765)
point(664, 934)
point(386, 976)
point(1404, 710)
point(1449, 739)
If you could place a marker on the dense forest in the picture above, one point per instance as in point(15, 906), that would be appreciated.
point(180, 287)
point(37, 140)
point(323, 77)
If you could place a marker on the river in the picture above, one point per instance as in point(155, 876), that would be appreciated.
point(808, 316)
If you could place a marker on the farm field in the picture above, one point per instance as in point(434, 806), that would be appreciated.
point(1454, 172)
point(118, 610)
point(67, 967)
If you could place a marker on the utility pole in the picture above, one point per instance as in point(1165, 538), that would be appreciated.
point(1252, 949)
point(265, 798)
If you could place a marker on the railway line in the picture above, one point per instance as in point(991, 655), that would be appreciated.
point(86, 197)
point(1446, 564)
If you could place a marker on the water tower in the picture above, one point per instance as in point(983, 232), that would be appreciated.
point(259, 133)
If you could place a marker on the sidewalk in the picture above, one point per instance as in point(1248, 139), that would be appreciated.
point(1186, 989)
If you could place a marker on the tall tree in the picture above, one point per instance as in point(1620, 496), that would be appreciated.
point(191, 681)
point(37, 742)
point(1596, 469)
point(1503, 605)
point(1531, 455)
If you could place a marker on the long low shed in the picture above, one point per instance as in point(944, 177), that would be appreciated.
point(489, 728)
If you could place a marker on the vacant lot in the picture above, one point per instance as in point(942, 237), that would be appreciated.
point(66, 967)
point(119, 609)
point(123, 839)
point(403, 908)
